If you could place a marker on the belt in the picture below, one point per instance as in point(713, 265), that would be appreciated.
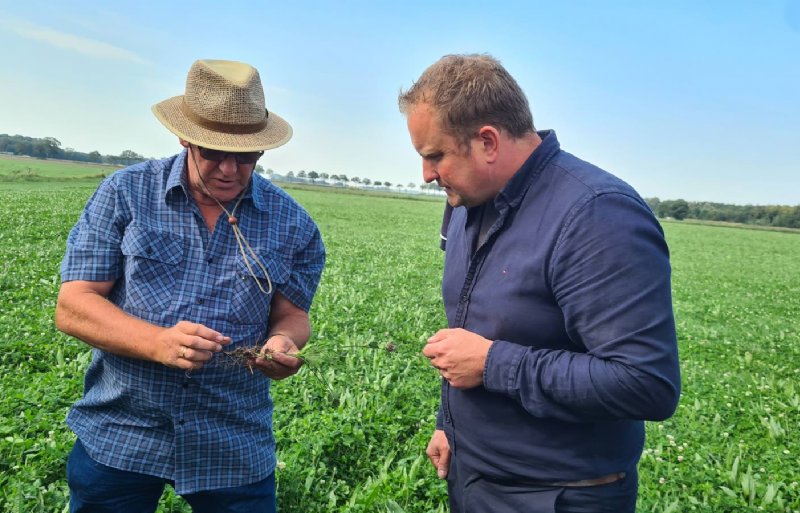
point(607, 479)
point(599, 481)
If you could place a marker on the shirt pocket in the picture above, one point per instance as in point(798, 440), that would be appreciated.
point(251, 304)
point(151, 267)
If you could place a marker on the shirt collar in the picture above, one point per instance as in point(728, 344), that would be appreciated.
point(177, 181)
point(518, 185)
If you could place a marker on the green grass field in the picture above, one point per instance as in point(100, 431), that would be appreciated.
point(31, 169)
point(732, 445)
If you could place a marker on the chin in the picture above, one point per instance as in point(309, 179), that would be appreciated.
point(456, 201)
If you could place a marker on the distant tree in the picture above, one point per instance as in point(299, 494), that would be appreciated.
point(52, 148)
point(301, 173)
point(411, 185)
point(324, 176)
point(676, 209)
point(788, 217)
point(290, 174)
point(355, 179)
point(653, 203)
point(376, 184)
point(387, 184)
point(129, 154)
point(366, 181)
point(24, 148)
point(313, 175)
point(343, 178)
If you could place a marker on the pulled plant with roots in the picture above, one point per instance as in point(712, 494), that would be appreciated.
point(315, 356)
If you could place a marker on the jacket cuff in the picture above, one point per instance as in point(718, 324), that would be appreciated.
point(502, 365)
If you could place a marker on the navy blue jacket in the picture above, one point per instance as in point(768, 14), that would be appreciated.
point(573, 286)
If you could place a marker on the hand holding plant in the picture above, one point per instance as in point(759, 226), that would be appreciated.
point(278, 358)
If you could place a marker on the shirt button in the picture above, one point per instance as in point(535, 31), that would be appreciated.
point(210, 260)
point(464, 298)
point(199, 301)
point(148, 250)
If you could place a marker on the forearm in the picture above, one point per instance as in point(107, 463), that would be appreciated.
point(580, 387)
point(610, 277)
point(289, 320)
point(92, 318)
point(297, 330)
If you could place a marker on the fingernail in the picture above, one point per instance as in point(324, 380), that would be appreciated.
point(442, 474)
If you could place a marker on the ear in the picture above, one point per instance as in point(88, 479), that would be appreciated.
point(183, 143)
point(489, 142)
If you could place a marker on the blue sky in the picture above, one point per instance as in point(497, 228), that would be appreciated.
point(682, 99)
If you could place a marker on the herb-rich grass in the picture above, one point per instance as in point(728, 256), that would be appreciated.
point(732, 445)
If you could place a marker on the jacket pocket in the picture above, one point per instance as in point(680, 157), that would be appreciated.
point(151, 267)
point(252, 294)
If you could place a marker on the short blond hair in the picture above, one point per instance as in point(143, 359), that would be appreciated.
point(469, 91)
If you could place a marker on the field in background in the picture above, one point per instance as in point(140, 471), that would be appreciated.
point(28, 169)
point(731, 446)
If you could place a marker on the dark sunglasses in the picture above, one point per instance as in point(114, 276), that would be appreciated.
point(242, 157)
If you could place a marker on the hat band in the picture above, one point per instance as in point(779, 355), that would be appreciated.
point(219, 126)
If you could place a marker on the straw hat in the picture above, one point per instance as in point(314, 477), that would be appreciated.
point(223, 109)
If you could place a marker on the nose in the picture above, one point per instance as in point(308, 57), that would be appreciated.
point(429, 172)
point(229, 165)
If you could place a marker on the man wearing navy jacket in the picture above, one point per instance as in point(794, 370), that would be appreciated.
point(561, 337)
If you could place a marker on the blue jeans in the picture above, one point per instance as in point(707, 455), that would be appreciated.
point(97, 488)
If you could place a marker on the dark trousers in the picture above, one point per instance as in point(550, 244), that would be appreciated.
point(97, 488)
point(470, 492)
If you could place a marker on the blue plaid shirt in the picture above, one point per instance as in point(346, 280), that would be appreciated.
point(211, 428)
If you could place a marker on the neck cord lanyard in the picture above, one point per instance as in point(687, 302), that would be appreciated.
point(244, 246)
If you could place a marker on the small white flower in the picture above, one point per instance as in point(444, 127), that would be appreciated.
point(281, 465)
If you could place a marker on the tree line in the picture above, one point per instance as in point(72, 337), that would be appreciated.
point(313, 176)
point(762, 215)
point(50, 148)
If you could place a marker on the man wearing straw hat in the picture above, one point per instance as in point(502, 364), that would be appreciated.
point(172, 264)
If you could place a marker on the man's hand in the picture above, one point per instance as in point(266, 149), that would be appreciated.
point(188, 345)
point(460, 356)
point(278, 364)
point(438, 452)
